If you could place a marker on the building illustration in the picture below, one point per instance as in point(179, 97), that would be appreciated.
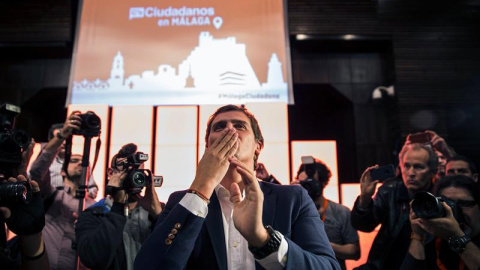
point(229, 77)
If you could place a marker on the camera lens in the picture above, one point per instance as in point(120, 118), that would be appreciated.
point(92, 121)
point(15, 192)
point(138, 179)
point(425, 205)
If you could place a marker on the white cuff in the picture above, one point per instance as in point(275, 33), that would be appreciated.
point(276, 260)
point(194, 204)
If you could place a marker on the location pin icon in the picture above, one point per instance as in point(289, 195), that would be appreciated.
point(217, 22)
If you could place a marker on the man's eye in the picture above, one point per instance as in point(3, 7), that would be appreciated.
point(240, 126)
point(419, 167)
point(218, 127)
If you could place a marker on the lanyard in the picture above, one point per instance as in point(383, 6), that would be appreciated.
point(438, 242)
point(325, 203)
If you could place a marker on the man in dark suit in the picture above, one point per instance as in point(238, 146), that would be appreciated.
point(228, 220)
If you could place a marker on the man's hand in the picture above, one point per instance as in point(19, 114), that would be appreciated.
point(247, 212)
point(149, 201)
point(262, 172)
point(73, 122)
point(439, 144)
point(443, 227)
point(25, 219)
point(214, 164)
point(416, 224)
point(367, 187)
point(116, 180)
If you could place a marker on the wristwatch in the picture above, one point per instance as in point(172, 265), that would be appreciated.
point(270, 247)
point(458, 243)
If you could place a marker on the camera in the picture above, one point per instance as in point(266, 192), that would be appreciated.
point(12, 143)
point(313, 186)
point(427, 206)
point(16, 192)
point(90, 126)
point(137, 178)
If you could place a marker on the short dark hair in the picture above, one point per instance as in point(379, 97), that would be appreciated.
point(126, 151)
point(432, 157)
point(460, 181)
point(53, 128)
point(324, 173)
point(229, 108)
point(471, 165)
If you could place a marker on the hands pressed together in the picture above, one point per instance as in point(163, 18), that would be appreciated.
point(211, 170)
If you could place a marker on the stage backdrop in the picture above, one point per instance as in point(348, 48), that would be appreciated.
point(183, 52)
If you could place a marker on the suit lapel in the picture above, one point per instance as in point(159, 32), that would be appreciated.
point(214, 224)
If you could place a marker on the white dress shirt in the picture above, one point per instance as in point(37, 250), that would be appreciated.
point(238, 255)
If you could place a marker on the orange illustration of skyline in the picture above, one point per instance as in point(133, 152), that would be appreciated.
point(106, 29)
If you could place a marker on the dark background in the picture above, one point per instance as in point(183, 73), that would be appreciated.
point(429, 51)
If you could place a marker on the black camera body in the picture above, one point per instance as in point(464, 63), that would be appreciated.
point(427, 206)
point(137, 178)
point(90, 126)
point(313, 186)
point(12, 144)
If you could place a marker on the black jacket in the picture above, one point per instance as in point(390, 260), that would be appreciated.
point(390, 208)
point(100, 238)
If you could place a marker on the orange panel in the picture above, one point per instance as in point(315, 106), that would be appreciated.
point(349, 195)
point(326, 151)
point(132, 124)
point(77, 145)
point(176, 148)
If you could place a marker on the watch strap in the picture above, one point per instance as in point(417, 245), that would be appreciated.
point(458, 243)
point(270, 247)
point(111, 190)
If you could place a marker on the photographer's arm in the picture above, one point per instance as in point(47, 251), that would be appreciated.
point(34, 254)
point(347, 251)
point(447, 227)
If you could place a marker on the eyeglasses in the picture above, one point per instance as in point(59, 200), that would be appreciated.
point(468, 204)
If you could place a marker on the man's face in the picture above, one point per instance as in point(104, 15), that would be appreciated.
point(75, 167)
point(415, 171)
point(248, 146)
point(458, 167)
point(466, 201)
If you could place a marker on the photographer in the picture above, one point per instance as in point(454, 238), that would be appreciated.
point(61, 205)
point(456, 235)
point(48, 165)
point(27, 222)
point(343, 237)
point(109, 234)
point(389, 207)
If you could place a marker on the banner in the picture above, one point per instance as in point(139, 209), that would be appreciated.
point(164, 52)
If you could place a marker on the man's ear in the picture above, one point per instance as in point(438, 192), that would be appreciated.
point(475, 177)
point(62, 173)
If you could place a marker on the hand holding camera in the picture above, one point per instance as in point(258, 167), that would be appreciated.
point(23, 215)
point(438, 216)
point(367, 187)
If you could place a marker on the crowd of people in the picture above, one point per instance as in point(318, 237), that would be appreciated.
point(235, 215)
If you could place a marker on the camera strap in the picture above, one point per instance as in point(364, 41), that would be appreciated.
point(97, 151)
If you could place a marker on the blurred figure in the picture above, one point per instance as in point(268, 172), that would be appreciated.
point(452, 240)
point(26, 250)
point(57, 135)
point(110, 233)
point(263, 174)
point(462, 165)
point(389, 207)
point(61, 204)
point(343, 237)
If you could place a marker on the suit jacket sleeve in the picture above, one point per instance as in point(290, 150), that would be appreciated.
point(40, 172)
point(308, 244)
point(155, 252)
point(99, 236)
